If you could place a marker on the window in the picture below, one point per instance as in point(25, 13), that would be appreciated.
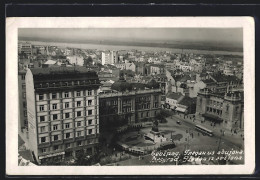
point(24, 104)
point(55, 148)
point(41, 107)
point(78, 133)
point(89, 93)
point(78, 113)
point(54, 106)
point(23, 86)
point(67, 135)
point(23, 77)
point(25, 113)
point(67, 105)
point(43, 129)
point(55, 127)
point(55, 137)
point(141, 115)
point(43, 139)
point(67, 125)
point(89, 112)
point(89, 102)
point(78, 123)
point(42, 118)
point(53, 95)
point(24, 95)
point(68, 145)
point(66, 94)
point(67, 115)
point(41, 97)
point(78, 103)
point(227, 107)
point(89, 122)
point(43, 150)
point(90, 131)
point(79, 143)
point(54, 116)
point(147, 114)
point(78, 93)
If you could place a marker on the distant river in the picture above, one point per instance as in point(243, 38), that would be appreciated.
point(141, 48)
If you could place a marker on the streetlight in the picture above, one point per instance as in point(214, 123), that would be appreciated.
point(188, 139)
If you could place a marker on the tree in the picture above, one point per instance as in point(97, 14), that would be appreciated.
point(88, 61)
point(153, 84)
point(82, 158)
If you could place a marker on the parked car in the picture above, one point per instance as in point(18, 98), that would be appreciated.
point(178, 122)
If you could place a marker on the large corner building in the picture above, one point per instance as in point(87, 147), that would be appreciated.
point(63, 111)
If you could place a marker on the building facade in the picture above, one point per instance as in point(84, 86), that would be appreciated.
point(110, 57)
point(23, 123)
point(63, 112)
point(25, 47)
point(225, 109)
point(130, 107)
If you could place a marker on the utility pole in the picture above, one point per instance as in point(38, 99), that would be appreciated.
point(219, 143)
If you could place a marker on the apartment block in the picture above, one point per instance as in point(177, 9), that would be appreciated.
point(63, 112)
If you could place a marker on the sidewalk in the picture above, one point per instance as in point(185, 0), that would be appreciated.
point(217, 130)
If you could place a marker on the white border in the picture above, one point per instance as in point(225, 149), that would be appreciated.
point(12, 25)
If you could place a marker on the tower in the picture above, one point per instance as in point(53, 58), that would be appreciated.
point(232, 110)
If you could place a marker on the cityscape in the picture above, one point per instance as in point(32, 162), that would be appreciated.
point(129, 97)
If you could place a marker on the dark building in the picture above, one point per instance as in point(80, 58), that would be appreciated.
point(126, 107)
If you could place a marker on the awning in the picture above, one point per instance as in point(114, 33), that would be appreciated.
point(51, 155)
point(212, 117)
point(180, 109)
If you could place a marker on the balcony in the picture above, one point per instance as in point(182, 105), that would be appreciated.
point(68, 140)
point(43, 145)
point(58, 142)
point(91, 136)
point(79, 138)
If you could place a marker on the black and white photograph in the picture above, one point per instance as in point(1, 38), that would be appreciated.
point(133, 94)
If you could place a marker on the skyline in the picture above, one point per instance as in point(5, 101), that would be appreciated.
point(230, 36)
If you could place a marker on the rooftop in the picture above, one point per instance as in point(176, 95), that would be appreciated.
point(54, 74)
point(174, 95)
point(224, 78)
point(187, 101)
point(207, 81)
point(60, 70)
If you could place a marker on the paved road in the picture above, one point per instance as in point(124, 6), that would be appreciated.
point(198, 142)
point(229, 140)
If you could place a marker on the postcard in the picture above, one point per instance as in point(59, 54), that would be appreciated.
point(130, 95)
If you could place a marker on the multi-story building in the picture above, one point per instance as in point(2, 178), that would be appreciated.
point(23, 124)
point(121, 66)
point(109, 57)
point(157, 69)
point(25, 47)
point(130, 107)
point(63, 111)
point(225, 108)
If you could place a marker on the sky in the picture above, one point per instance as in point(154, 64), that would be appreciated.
point(225, 35)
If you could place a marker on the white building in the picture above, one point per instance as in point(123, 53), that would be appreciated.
point(109, 57)
point(77, 60)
